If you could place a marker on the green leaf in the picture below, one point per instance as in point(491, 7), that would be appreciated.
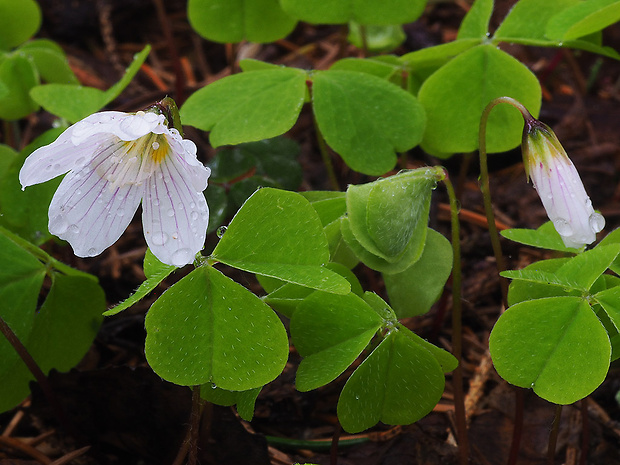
point(398, 383)
point(541, 277)
point(438, 55)
point(584, 269)
point(365, 119)
point(386, 222)
point(21, 276)
point(528, 19)
point(209, 329)
point(18, 74)
point(545, 237)
point(26, 212)
point(455, 96)
point(557, 346)
point(536, 287)
point(612, 238)
point(237, 20)
point(62, 332)
point(377, 39)
point(74, 102)
point(155, 272)
point(379, 68)
point(250, 64)
point(609, 299)
point(447, 361)
point(19, 21)
point(361, 11)
point(247, 107)
point(50, 61)
point(413, 291)
point(583, 19)
point(277, 233)
point(475, 25)
point(245, 400)
point(217, 200)
point(330, 331)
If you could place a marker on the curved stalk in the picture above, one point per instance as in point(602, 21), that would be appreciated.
point(457, 337)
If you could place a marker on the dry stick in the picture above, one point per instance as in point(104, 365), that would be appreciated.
point(457, 336)
point(172, 49)
point(497, 248)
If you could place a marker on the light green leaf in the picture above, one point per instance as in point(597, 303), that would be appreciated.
point(377, 39)
point(528, 19)
point(545, 237)
point(247, 107)
point(612, 238)
point(19, 21)
point(455, 96)
point(583, 19)
point(330, 331)
point(74, 102)
point(245, 400)
point(155, 272)
point(50, 61)
point(557, 346)
point(18, 75)
point(361, 11)
point(277, 233)
point(378, 68)
point(209, 329)
point(365, 119)
point(584, 269)
point(475, 25)
point(447, 361)
point(398, 383)
point(536, 286)
point(413, 291)
point(237, 20)
point(26, 212)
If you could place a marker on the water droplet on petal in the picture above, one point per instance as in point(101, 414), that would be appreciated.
point(155, 145)
point(49, 167)
point(182, 257)
point(80, 161)
point(160, 238)
point(156, 202)
point(120, 212)
point(58, 225)
point(92, 252)
point(563, 227)
point(192, 205)
point(57, 166)
point(74, 228)
point(194, 215)
point(170, 212)
point(597, 222)
point(220, 231)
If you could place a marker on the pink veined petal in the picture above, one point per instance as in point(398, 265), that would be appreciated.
point(185, 149)
point(57, 158)
point(125, 126)
point(175, 215)
point(88, 213)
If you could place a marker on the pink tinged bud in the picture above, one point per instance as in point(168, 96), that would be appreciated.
point(559, 186)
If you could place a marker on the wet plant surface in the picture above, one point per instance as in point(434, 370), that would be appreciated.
point(116, 410)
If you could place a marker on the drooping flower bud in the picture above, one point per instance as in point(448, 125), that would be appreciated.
point(559, 186)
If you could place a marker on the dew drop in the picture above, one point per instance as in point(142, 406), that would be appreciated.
point(192, 205)
point(57, 166)
point(182, 257)
point(155, 145)
point(58, 225)
point(220, 231)
point(160, 238)
point(156, 202)
point(120, 212)
point(80, 161)
point(194, 215)
point(74, 228)
point(48, 167)
point(170, 212)
point(563, 227)
point(597, 222)
point(92, 252)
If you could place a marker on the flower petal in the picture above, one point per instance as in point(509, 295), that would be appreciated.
point(185, 149)
point(125, 126)
point(88, 213)
point(175, 214)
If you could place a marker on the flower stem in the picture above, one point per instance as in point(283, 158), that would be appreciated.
point(329, 166)
point(197, 405)
point(553, 436)
point(457, 341)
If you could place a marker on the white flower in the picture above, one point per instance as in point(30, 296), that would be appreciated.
point(559, 186)
point(115, 161)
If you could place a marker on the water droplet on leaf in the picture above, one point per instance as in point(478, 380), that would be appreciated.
point(220, 231)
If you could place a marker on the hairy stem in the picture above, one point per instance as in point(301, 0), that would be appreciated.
point(553, 436)
point(457, 341)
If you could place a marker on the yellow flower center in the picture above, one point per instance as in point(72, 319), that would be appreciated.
point(133, 162)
